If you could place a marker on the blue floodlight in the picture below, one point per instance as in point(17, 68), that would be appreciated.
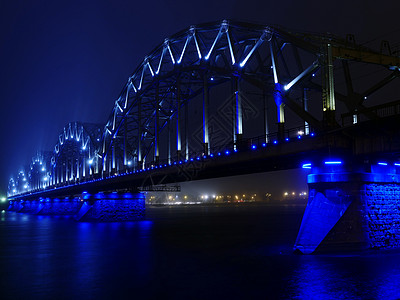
point(337, 162)
point(253, 146)
point(382, 163)
point(306, 166)
point(275, 142)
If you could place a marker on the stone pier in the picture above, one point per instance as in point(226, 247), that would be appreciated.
point(100, 207)
point(47, 206)
point(111, 207)
point(351, 208)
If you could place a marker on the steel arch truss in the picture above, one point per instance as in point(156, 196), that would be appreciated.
point(33, 177)
point(224, 85)
point(75, 156)
point(254, 65)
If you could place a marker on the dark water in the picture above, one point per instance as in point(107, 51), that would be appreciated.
point(197, 252)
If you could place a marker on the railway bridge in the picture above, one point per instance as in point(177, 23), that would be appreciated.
point(229, 98)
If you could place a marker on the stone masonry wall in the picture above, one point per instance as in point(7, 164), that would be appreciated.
point(110, 210)
point(382, 212)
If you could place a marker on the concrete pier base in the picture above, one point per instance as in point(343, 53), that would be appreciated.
point(112, 207)
point(100, 207)
point(56, 207)
point(15, 205)
point(59, 207)
point(29, 206)
point(351, 210)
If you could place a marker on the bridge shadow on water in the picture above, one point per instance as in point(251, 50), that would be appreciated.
point(184, 252)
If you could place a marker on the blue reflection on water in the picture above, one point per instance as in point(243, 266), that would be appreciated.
point(365, 276)
point(182, 253)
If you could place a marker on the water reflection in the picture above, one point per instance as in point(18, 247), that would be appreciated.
point(365, 276)
point(183, 254)
point(109, 255)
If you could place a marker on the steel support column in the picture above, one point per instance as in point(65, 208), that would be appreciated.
point(66, 171)
point(278, 93)
point(77, 168)
point(113, 166)
point(238, 111)
point(305, 107)
point(206, 141)
point(178, 120)
point(139, 137)
point(157, 126)
point(71, 170)
point(84, 165)
point(329, 89)
point(266, 129)
point(186, 129)
point(125, 152)
point(169, 140)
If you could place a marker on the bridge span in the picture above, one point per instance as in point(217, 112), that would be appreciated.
point(230, 98)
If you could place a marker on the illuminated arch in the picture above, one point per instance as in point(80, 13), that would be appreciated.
point(184, 69)
point(33, 177)
point(166, 111)
point(75, 155)
point(12, 188)
point(39, 171)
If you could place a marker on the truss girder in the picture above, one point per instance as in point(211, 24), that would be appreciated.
point(75, 154)
point(223, 51)
point(207, 74)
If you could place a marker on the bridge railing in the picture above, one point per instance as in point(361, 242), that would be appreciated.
point(380, 111)
point(274, 138)
point(246, 144)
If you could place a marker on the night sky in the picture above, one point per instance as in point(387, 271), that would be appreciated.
point(64, 61)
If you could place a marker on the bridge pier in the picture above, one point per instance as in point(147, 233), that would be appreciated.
point(56, 207)
point(111, 207)
point(59, 207)
point(14, 205)
point(101, 207)
point(351, 209)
